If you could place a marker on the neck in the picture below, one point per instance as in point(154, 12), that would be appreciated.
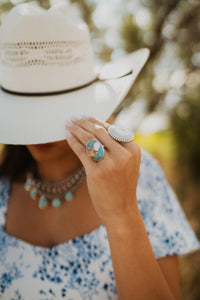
point(58, 169)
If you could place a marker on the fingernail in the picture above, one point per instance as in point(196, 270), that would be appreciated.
point(75, 118)
point(68, 134)
point(69, 124)
point(86, 117)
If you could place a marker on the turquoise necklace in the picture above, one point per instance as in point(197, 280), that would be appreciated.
point(54, 193)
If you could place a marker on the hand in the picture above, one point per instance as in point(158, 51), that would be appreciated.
point(111, 182)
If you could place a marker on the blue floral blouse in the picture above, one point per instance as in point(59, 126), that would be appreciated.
point(81, 268)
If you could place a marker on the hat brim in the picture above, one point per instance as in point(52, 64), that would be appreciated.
point(41, 119)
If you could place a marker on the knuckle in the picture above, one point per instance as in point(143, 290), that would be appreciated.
point(74, 128)
point(92, 120)
point(136, 151)
point(81, 121)
point(126, 158)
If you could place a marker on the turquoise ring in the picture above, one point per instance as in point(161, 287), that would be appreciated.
point(95, 150)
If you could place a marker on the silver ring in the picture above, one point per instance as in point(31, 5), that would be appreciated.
point(120, 134)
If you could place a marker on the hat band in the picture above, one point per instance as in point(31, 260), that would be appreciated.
point(50, 93)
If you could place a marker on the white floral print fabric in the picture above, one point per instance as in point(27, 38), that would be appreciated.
point(82, 267)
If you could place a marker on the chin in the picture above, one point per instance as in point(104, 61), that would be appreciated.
point(48, 151)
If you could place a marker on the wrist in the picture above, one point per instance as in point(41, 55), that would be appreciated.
point(124, 221)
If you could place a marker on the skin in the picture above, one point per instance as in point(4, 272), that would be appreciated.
point(107, 196)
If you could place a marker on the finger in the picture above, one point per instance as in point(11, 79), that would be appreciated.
point(100, 129)
point(80, 133)
point(99, 122)
point(78, 149)
point(98, 132)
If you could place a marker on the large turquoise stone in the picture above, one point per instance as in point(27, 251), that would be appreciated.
point(56, 202)
point(42, 202)
point(95, 150)
point(68, 196)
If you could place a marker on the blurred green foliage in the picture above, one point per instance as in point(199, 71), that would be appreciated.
point(159, 144)
point(5, 5)
point(174, 37)
point(185, 121)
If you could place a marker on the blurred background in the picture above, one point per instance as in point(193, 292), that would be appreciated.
point(163, 108)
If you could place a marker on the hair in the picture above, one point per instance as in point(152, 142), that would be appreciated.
point(15, 161)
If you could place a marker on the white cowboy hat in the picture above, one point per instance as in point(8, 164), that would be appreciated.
point(47, 75)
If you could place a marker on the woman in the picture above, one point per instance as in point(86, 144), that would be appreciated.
point(115, 233)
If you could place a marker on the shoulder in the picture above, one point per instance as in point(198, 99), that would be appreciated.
point(168, 229)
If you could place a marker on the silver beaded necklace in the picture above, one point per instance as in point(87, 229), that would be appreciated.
point(54, 193)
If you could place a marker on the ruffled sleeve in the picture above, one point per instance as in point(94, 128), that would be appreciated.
point(167, 227)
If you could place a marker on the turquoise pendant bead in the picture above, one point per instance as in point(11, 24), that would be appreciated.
point(56, 202)
point(33, 193)
point(42, 202)
point(27, 185)
point(68, 196)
